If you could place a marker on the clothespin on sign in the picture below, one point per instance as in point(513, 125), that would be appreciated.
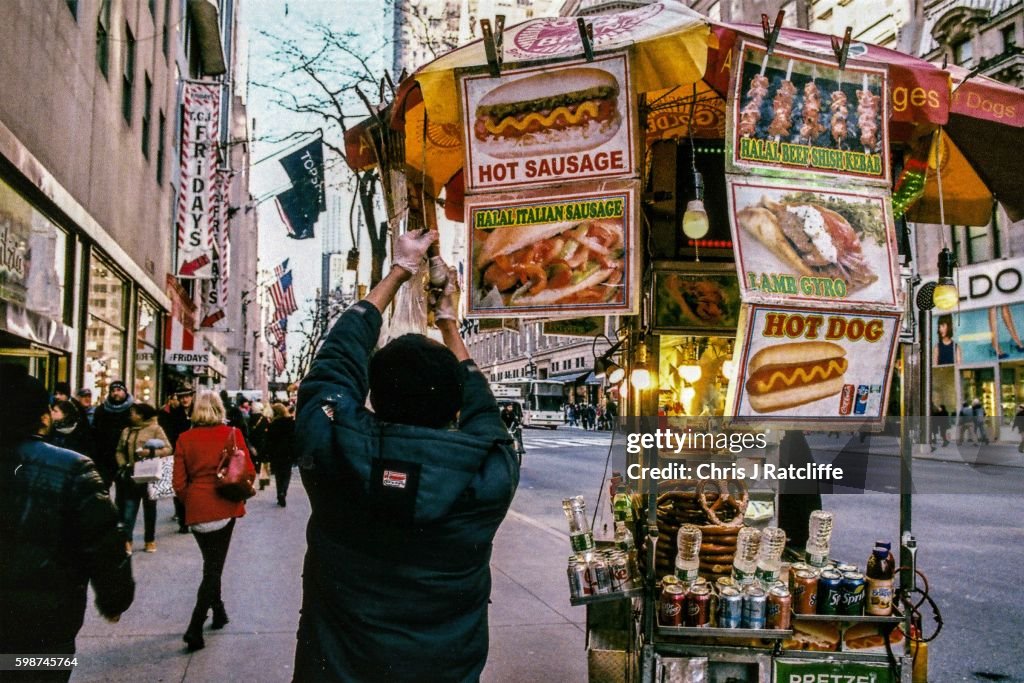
point(842, 51)
point(586, 37)
point(771, 33)
point(493, 43)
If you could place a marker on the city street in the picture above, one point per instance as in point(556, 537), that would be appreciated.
point(970, 549)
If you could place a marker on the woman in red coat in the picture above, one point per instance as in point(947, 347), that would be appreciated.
point(210, 517)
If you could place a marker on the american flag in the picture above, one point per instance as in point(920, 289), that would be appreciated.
point(277, 331)
point(278, 355)
point(283, 294)
point(280, 270)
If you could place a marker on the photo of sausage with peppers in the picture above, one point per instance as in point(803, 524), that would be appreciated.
point(578, 262)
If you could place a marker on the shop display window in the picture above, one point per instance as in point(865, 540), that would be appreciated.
point(105, 328)
point(147, 335)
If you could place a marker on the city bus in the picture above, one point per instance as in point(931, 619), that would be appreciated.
point(541, 400)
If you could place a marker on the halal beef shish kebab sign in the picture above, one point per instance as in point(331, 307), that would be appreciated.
point(546, 124)
point(569, 257)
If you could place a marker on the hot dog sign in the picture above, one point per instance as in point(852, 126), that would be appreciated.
point(543, 125)
point(801, 365)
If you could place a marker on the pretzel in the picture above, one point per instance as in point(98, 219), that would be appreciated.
point(716, 549)
point(725, 498)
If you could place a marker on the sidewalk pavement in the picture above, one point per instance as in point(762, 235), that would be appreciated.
point(1003, 453)
point(535, 634)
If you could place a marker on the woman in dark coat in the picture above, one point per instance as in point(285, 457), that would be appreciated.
point(280, 446)
point(210, 516)
point(71, 430)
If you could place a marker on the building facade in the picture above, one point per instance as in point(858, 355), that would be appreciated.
point(88, 179)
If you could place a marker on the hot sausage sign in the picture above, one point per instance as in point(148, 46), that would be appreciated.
point(543, 125)
point(801, 365)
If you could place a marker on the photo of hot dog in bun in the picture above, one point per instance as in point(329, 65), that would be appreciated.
point(809, 238)
point(567, 110)
point(553, 263)
point(867, 635)
point(822, 636)
point(792, 374)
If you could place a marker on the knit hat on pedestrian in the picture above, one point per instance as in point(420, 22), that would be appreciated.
point(23, 401)
point(117, 384)
point(415, 381)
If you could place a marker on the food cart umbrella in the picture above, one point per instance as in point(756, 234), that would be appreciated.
point(678, 56)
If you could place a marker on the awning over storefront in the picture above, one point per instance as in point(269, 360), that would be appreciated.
point(207, 28)
point(576, 378)
point(37, 328)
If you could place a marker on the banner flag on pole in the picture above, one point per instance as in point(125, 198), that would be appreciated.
point(293, 210)
point(215, 291)
point(277, 331)
point(283, 294)
point(196, 205)
point(278, 356)
point(305, 168)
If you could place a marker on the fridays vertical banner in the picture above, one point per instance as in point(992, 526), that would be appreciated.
point(196, 230)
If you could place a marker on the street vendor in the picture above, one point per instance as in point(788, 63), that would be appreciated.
point(405, 498)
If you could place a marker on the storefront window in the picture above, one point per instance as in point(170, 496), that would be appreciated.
point(147, 336)
point(33, 257)
point(105, 328)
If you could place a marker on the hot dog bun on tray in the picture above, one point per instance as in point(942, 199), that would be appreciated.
point(792, 374)
point(568, 110)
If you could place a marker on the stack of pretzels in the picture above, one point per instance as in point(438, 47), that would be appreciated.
point(716, 507)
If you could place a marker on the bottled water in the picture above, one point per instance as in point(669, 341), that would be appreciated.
point(769, 556)
point(688, 556)
point(819, 538)
point(743, 565)
point(580, 535)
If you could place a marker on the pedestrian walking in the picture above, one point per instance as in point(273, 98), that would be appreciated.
point(209, 516)
point(131, 448)
point(939, 420)
point(70, 429)
point(979, 420)
point(966, 427)
point(405, 499)
point(110, 420)
point(514, 425)
point(591, 416)
point(1018, 424)
point(259, 423)
point(571, 412)
point(281, 450)
point(176, 418)
point(59, 531)
point(83, 401)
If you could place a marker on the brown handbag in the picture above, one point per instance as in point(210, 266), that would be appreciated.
point(235, 474)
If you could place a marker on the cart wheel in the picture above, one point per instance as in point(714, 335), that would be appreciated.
point(726, 498)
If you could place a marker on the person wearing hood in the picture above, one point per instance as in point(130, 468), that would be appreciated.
point(70, 429)
point(131, 447)
point(110, 419)
point(405, 499)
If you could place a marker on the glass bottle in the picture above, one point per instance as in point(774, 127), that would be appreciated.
point(624, 542)
point(819, 538)
point(688, 555)
point(880, 572)
point(622, 506)
point(580, 535)
point(769, 556)
point(748, 541)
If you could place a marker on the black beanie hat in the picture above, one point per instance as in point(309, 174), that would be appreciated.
point(416, 381)
point(23, 401)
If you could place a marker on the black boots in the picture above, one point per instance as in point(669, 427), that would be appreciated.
point(194, 634)
point(281, 501)
point(220, 616)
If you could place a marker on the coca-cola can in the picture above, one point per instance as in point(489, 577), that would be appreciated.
point(673, 600)
point(803, 586)
point(780, 605)
point(846, 399)
point(698, 606)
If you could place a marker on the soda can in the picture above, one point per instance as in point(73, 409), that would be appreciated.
point(621, 578)
point(600, 576)
point(798, 566)
point(862, 399)
point(671, 609)
point(846, 400)
point(829, 593)
point(700, 581)
point(698, 606)
point(582, 572)
point(779, 609)
point(803, 586)
point(730, 607)
point(575, 586)
point(724, 582)
point(852, 589)
point(843, 568)
point(755, 603)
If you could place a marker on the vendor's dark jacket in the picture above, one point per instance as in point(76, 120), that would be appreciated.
point(58, 533)
point(397, 577)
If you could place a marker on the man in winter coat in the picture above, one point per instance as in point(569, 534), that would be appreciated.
point(405, 499)
point(58, 533)
point(109, 421)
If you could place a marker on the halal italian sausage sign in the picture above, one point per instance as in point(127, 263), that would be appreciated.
point(803, 242)
point(543, 125)
point(801, 113)
point(568, 257)
point(804, 366)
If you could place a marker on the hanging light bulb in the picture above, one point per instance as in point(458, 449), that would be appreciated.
point(616, 373)
point(946, 297)
point(695, 220)
point(729, 369)
point(690, 373)
point(640, 378)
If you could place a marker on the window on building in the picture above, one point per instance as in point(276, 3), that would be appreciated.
point(103, 38)
point(1009, 37)
point(147, 104)
point(147, 336)
point(73, 6)
point(963, 52)
point(128, 78)
point(105, 328)
point(977, 243)
point(554, 366)
point(161, 133)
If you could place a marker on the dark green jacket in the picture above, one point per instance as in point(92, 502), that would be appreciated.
point(397, 577)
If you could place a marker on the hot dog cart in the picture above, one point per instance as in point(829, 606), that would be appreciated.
point(734, 199)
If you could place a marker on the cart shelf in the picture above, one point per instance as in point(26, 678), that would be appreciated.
point(607, 597)
point(895, 618)
point(715, 632)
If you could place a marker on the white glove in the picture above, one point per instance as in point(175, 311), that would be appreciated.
point(447, 305)
point(411, 247)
